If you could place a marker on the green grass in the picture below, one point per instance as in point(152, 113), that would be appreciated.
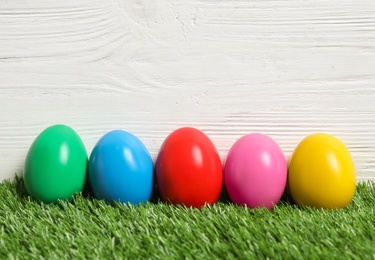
point(89, 228)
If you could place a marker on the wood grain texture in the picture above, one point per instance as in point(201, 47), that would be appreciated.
point(283, 68)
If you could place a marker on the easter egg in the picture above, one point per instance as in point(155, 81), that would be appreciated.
point(322, 173)
point(55, 166)
point(188, 169)
point(121, 169)
point(255, 171)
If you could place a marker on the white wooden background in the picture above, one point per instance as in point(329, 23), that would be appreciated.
point(283, 68)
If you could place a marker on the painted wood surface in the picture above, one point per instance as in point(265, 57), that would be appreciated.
point(283, 68)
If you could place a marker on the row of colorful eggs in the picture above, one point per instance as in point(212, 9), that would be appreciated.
point(188, 169)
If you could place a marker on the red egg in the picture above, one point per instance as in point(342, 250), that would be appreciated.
point(188, 169)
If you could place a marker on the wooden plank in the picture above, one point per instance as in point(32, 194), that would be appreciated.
point(284, 68)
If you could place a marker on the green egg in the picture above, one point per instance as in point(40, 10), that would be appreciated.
point(55, 167)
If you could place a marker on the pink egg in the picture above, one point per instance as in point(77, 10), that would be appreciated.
point(255, 171)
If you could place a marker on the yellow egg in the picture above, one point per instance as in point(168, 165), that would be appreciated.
point(321, 173)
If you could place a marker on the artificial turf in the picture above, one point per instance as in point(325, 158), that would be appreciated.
point(86, 228)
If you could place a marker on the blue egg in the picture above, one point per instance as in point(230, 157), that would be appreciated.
point(121, 169)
